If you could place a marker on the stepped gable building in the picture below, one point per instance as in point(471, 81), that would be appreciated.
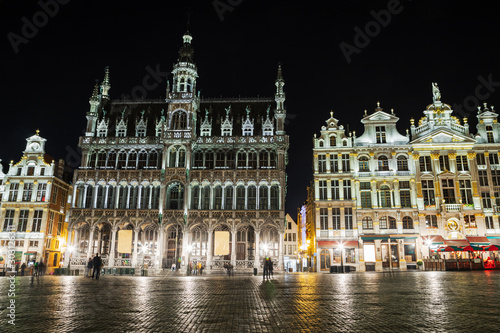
point(35, 201)
point(174, 171)
point(383, 201)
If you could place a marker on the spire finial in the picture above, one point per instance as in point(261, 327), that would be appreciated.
point(331, 113)
point(37, 131)
point(378, 104)
point(280, 72)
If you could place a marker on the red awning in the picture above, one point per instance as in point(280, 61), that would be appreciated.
point(478, 240)
point(335, 244)
point(457, 242)
point(436, 239)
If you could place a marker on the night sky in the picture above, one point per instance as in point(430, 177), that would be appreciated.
point(47, 83)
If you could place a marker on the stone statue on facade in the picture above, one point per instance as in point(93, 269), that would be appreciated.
point(436, 94)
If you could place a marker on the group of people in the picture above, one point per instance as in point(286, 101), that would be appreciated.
point(229, 268)
point(196, 268)
point(38, 268)
point(93, 267)
point(268, 268)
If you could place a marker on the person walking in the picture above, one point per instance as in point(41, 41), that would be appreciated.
point(88, 268)
point(23, 267)
point(271, 267)
point(41, 268)
point(96, 264)
point(266, 268)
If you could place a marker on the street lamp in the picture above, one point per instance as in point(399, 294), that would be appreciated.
point(341, 247)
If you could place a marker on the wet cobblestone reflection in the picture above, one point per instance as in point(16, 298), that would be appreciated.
point(371, 302)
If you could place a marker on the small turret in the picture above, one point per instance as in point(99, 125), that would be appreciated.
point(92, 114)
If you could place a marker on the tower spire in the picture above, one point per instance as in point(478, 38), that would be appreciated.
point(279, 97)
point(105, 85)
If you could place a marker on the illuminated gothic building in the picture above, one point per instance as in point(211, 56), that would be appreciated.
point(176, 170)
point(35, 200)
point(383, 200)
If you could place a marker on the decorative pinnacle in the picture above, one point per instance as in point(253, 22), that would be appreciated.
point(37, 131)
point(280, 72)
point(392, 111)
point(331, 113)
point(95, 93)
point(106, 75)
point(378, 104)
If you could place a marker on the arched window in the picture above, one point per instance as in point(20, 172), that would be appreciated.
point(195, 197)
point(111, 163)
point(392, 223)
point(179, 120)
point(385, 196)
point(153, 159)
point(175, 196)
point(100, 196)
point(264, 159)
point(209, 160)
point(198, 160)
point(333, 141)
point(217, 204)
point(275, 197)
point(228, 197)
point(89, 197)
point(134, 193)
point(320, 144)
point(263, 197)
point(132, 160)
point(91, 159)
point(122, 198)
point(489, 134)
point(252, 160)
point(182, 85)
point(205, 197)
point(272, 160)
point(101, 159)
point(240, 197)
point(383, 163)
point(199, 242)
point(142, 160)
point(144, 199)
point(122, 160)
point(155, 198)
point(181, 162)
point(344, 143)
point(407, 222)
point(402, 163)
point(242, 160)
point(367, 222)
point(252, 197)
point(111, 199)
point(172, 157)
point(383, 222)
point(81, 196)
point(325, 260)
point(364, 165)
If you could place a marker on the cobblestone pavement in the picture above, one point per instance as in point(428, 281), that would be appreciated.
point(370, 302)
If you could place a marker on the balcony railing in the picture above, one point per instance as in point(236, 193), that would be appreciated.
point(453, 207)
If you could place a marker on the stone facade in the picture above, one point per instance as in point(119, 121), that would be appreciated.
point(383, 200)
point(35, 200)
point(177, 170)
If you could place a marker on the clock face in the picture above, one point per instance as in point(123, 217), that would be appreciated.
point(34, 146)
point(452, 225)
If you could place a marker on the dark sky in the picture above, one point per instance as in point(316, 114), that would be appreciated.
point(48, 82)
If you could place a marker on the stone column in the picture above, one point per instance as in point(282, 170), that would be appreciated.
point(106, 197)
point(357, 194)
point(361, 257)
point(67, 254)
point(375, 194)
point(378, 255)
point(90, 251)
point(128, 197)
point(73, 201)
point(159, 254)
point(134, 254)
point(185, 243)
point(401, 252)
point(210, 248)
point(99, 242)
point(111, 262)
point(257, 247)
point(233, 248)
point(138, 199)
point(397, 197)
point(280, 250)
